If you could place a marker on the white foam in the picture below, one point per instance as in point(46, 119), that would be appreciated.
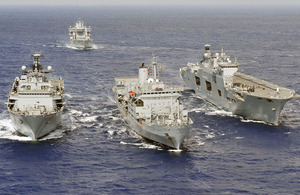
point(17, 138)
point(142, 145)
point(58, 133)
point(71, 47)
point(252, 121)
point(94, 47)
point(149, 146)
point(89, 119)
point(68, 95)
point(112, 99)
point(175, 151)
point(197, 110)
point(8, 131)
point(114, 118)
point(220, 112)
point(210, 136)
point(76, 112)
point(123, 130)
point(97, 46)
point(6, 124)
point(111, 132)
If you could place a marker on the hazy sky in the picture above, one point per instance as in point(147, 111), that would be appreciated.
point(149, 2)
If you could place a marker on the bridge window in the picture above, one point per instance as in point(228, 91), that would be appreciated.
point(219, 92)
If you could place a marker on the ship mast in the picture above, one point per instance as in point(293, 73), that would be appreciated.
point(36, 62)
point(154, 63)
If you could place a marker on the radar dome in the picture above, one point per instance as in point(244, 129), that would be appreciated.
point(23, 67)
point(49, 67)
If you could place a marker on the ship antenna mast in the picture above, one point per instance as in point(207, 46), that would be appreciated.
point(154, 63)
point(36, 62)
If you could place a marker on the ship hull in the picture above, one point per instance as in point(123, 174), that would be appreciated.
point(261, 109)
point(249, 106)
point(35, 126)
point(171, 136)
point(81, 44)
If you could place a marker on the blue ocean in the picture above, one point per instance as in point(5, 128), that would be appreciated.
point(95, 152)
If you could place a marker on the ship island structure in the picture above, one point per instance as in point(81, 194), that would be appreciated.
point(80, 35)
point(151, 108)
point(216, 80)
point(35, 102)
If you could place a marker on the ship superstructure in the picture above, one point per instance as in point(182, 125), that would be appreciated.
point(35, 102)
point(153, 109)
point(80, 35)
point(216, 79)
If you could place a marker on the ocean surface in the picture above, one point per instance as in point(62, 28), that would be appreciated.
point(95, 152)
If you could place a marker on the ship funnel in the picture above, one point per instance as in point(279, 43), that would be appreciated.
point(143, 74)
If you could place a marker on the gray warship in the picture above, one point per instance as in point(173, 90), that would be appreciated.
point(80, 35)
point(35, 102)
point(151, 108)
point(216, 79)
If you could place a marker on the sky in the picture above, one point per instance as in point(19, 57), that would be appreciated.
point(149, 2)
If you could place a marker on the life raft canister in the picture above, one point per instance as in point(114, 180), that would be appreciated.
point(131, 93)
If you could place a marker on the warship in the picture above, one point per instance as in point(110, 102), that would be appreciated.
point(35, 102)
point(80, 35)
point(153, 109)
point(216, 80)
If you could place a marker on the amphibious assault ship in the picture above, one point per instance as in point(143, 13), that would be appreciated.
point(216, 79)
point(35, 102)
point(80, 35)
point(151, 108)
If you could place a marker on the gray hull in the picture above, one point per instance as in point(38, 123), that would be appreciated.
point(171, 136)
point(249, 106)
point(35, 126)
point(82, 44)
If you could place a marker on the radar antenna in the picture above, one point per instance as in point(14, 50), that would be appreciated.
point(37, 67)
point(156, 67)
point(154, 63)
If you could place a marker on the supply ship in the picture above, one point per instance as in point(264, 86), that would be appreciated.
point(80, 35)
point(153, 109)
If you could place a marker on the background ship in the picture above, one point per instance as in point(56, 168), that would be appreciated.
point(80, 35)
point(35, 103)
point(216, 79)
point(152, 108)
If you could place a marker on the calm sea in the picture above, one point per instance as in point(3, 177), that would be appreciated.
point(95, 152)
